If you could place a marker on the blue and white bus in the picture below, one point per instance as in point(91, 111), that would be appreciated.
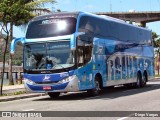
point(78, 51)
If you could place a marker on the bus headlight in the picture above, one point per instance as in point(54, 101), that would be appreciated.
point(28, 81)
point(67, 79)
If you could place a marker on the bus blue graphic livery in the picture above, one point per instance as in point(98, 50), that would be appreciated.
point(78, 51)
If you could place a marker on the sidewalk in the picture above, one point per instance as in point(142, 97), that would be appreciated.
point(17, 88)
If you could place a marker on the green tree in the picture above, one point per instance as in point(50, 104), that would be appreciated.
point(17, 12)
point(156, 42)
point(4, 49)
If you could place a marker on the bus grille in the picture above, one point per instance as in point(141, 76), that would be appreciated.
point(49, 82)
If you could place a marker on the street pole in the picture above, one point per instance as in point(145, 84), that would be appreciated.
point(1, 84)
point(3, 70)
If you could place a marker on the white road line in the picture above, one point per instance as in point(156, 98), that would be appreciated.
point(122, 118)
point(28, 110)
point(125, 117)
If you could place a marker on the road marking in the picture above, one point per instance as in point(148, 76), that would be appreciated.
point(28, 110)
point(126, 117)
point(122, 118)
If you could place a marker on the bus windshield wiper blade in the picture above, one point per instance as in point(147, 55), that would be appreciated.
point(66, 69)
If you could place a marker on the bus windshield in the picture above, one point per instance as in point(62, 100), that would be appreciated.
point(51, 27)
point(48, 56)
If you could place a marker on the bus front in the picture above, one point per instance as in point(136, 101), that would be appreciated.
point(49, 57)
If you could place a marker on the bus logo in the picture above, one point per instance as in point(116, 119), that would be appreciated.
point(47, 78)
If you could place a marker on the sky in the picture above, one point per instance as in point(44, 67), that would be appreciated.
point(103, 6)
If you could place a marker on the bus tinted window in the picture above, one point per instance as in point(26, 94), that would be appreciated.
point(101, 27)
point(51, 27)
point(91, 24)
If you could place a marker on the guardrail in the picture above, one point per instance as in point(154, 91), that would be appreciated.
point(17, 72)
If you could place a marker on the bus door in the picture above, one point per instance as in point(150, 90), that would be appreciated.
point(84, 64)
point(99, 54)
point(99, 58)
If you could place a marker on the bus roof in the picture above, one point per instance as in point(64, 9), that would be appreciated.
point(56, 15)
point(76, 14)
point(112, 19)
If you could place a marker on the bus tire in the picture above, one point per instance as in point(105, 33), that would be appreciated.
point(95, 91)
point(145, 79)
point(139, 80)
point(129, 85)
point(53, 94)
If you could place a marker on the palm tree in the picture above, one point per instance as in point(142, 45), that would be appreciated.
point(17, 12)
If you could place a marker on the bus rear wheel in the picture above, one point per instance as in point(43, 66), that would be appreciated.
point(145, 79)
point(53, 94)
point(96, 90)
point(139, 81)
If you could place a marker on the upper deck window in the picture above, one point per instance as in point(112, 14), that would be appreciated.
point(51, 27)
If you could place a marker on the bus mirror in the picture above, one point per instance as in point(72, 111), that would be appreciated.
point(13, 44)
point(79, 33)
point(74, 38)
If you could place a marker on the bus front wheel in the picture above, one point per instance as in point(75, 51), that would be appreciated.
point(96, 90)
point(54, 94)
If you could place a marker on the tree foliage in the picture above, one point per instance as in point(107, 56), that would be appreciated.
point(156, 40)
point(17, 12)
point(20, 11)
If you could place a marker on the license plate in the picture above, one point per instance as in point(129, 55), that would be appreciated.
point(46, 87)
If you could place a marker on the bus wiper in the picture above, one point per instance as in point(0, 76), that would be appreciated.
point(66, 69)
point(29, 70)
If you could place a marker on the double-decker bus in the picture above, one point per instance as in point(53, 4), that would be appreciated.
point(78, 51)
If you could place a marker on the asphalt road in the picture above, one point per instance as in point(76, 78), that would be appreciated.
point(111, 99)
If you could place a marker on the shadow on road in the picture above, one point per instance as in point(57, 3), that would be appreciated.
point(107, 93)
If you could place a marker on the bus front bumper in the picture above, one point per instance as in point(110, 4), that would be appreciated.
point(70, 84)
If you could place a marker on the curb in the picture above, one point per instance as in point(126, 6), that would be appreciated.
point(22, 96)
